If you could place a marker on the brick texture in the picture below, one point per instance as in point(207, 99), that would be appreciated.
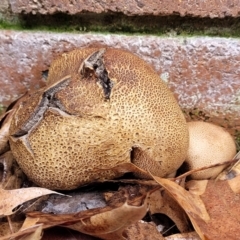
point(4, 5)
point(207, 8)
point(203, 73)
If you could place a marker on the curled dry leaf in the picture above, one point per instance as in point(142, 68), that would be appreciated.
point(79, 201)
point(106, 223)
point(207, 203)
point(74, 202)
point(162, 202)
point(82, 200)
point(10, 199)
point(111, 224)
point(191, 203)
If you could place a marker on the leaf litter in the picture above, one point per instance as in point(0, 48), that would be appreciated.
point(210, 207)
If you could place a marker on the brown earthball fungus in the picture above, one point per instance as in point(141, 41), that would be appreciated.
point(100, 108)
point(208, 144)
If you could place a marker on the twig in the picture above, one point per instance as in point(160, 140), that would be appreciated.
point(204, 168)
point(10, 224)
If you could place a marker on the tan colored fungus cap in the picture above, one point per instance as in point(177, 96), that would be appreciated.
point(100, 108)
point(209, 144)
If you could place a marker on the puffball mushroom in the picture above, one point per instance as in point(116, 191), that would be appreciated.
point(101, 108)
point(208, 144)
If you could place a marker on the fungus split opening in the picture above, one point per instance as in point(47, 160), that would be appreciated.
point(95, 63)
point(47, 100)
point(97, 116)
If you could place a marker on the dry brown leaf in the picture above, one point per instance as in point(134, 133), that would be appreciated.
point(28, 223)
point(222, 201)
point(19, 234)
point(76, 201)
point(191, 203)
point(143, 230)
point(162, 202)
point(59, 204)
point(10, 199)
point(212, 206)
point(138, 231)
point(184, 236)
point(36, 235)
point(106, 223)
point(110, 224)
point(28, 230)
point(5, 229)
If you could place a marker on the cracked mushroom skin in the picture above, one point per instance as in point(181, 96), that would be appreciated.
point(100, 108)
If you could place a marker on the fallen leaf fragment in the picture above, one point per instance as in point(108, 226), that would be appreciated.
point(36, 235)
point(21, 233)
point(5, 229)
point(161, 202)
point(106, 223)
point(10, 199)
point(28, 223)
point(184, 236)
point(110, 225)
point(213, 206)
point(191, 203)
point(143, 230)
point(222, 201)
point(62, 204)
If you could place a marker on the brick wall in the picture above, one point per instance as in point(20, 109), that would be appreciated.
point(203, 72)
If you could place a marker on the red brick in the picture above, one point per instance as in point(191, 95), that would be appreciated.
point(207, 8)
point(203, 72)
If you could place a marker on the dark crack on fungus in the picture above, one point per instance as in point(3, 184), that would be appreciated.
point(95, 63)
point(48, 100)
point(45, 75)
